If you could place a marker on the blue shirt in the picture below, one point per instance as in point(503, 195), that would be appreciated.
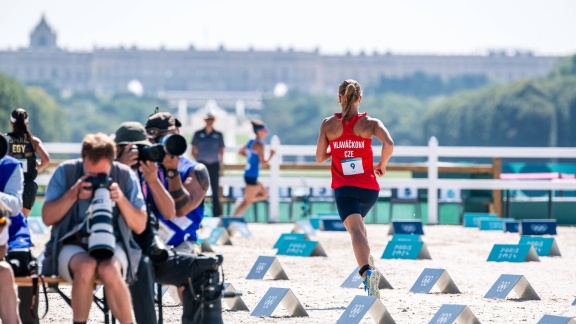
point(179, 229)
point(208, 145)
point(11, 187)
point(252, 160)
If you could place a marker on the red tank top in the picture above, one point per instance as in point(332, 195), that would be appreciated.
point(352, 158)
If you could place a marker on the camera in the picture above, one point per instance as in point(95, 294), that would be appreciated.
point(3, 146)
point(22, 262)
point(172, 144)
point(101, 242)
point(158, 251)
point(209, 290)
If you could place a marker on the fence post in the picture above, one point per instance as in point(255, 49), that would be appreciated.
point(274, 201)
point(433, 181)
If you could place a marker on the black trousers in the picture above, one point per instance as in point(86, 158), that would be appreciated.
point(175, 271)
point(214, 173)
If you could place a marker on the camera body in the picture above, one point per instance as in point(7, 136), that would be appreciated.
point(211, 289)
point(22, 262)
point(101, 180)
point(158, 252)
point(171, 144)
point(101, 242)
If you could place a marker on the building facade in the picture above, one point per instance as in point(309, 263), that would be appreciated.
point(191, 71)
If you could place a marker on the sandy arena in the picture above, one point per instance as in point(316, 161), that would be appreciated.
point(316, 280)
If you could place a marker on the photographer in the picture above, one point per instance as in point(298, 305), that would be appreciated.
point(187, 182)
point(17, 234)
point(9, 304)
point(93, 205)
point(169, 268)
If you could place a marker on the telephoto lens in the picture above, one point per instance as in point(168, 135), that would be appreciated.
point(101, 242)
point(174, 144)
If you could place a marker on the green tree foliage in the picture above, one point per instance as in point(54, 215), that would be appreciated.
point(88, 113)
point(296, 118)
point(47, 118)
point(12, 96)
point(566, 67)
point(518, 114)
point(421, 85)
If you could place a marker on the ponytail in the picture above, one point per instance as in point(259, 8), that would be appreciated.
point(19, 119)
point(349, 92)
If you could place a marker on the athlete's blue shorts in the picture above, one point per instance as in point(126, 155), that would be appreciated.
point(353, 200)
point(251, 181)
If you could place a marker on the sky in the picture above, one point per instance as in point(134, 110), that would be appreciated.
point(545, 27)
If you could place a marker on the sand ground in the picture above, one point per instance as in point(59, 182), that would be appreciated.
point(316, 281)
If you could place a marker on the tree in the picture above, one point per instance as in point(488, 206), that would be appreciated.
point(46, 116)
point(12, 96)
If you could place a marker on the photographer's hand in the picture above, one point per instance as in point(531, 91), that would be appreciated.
point(115, 193)
point(150, 171)
point(171, 162)
point(83, 188)
point(128, 156)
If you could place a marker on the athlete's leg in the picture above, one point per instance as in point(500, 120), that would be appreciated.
point(355, 226)
point(249, 197)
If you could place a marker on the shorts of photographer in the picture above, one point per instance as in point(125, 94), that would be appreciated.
point(70, 250)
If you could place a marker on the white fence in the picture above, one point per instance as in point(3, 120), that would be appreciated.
point(432, 152)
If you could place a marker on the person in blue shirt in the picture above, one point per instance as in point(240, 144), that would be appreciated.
point(187, 182)
point(254, 153)
point(14, 237)
point(9, 304)
point(177, 269)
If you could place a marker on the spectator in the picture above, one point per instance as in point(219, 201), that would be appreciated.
point(67, 207)
point(208, 149)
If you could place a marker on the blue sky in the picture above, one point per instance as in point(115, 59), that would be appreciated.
point(334, 26)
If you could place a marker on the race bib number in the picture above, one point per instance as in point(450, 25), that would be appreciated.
point(164, 232)
point(352, 166)
point(24, 164)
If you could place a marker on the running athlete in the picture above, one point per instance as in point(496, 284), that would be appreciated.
point(346, 137)
point(254, 153)
point(24, 146)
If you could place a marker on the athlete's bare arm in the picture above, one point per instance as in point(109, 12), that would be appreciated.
point(387, 146)
point(322, 148)
point(42, 153)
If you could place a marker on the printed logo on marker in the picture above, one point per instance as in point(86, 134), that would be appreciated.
point(269, 301)
point(539, 228)
point(356, 309)
point(426, 281)
point(443, 318)
point(408, 228)
point(502, 286)
point(260, 267)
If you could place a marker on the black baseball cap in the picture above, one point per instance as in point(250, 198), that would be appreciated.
point(131, 132)
point(161, 122)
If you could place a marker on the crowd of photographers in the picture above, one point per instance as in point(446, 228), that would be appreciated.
point(126, 213)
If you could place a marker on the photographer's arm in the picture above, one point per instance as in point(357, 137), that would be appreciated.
point(189, 195)
point(161, 196)
point(55, 208)
point(133, 210)
point(3, 249)
point(12, 195)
